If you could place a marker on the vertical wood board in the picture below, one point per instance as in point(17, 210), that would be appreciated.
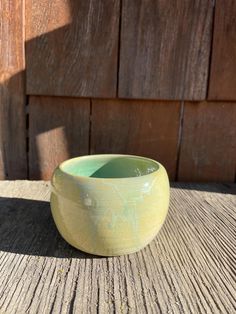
point(72, 47)
point(165, 48)
point(147, 128)
point(223, 67)
point(208, 146)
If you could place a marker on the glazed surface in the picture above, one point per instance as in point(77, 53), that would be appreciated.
point(108, 216)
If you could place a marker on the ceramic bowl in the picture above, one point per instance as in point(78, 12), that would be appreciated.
point(109, 204)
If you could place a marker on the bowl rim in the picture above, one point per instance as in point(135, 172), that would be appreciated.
point(160, 167)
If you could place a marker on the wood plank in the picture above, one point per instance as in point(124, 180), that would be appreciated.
point(58, 130)
point(188, 268)
point(165, 49)
point(223, 67)
point(208, 147)
point(12, 92)
point(146, 128)
point(71, 47)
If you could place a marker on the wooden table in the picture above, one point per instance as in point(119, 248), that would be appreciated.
point(189, 268)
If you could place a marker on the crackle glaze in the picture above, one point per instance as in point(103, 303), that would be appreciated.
point(109, 204)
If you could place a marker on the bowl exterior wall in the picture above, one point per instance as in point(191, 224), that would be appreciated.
point(109, 216)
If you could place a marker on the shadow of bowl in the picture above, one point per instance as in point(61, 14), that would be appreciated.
point(27, 227)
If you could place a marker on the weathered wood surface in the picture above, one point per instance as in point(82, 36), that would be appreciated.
point(165, 49)
point(72, 47)
point(146, 128)
point(188, 268)
point(208, 144)
point(58, 130)
point(223, 66)
point(12, 91)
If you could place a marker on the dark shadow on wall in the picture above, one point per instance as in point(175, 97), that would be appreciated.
point(17, 144)
point(13, 160)
point(14, 120)
point(77, 59)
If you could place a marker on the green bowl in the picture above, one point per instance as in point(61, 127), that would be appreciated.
point(109, 204)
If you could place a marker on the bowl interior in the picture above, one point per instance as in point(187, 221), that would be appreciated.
point(109, 166)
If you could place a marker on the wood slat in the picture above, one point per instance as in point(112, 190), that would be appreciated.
point(223, 67)
point(188, 268)
point(147, 128)
point(58, 130)
point(71, 47)
point(12, 91)
point(165, 49)
point(208, 147)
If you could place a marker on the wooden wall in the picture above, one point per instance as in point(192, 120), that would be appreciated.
point(152, 78)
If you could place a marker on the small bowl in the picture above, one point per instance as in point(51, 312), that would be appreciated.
point(109, 204)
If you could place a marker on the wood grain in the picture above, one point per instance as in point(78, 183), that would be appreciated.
point(58, 130)
point(208, 147)
point(146, 128)
point(12, 91)
point(223, 67)
point(72, 47)
point(188, 268)
point(165, 49)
